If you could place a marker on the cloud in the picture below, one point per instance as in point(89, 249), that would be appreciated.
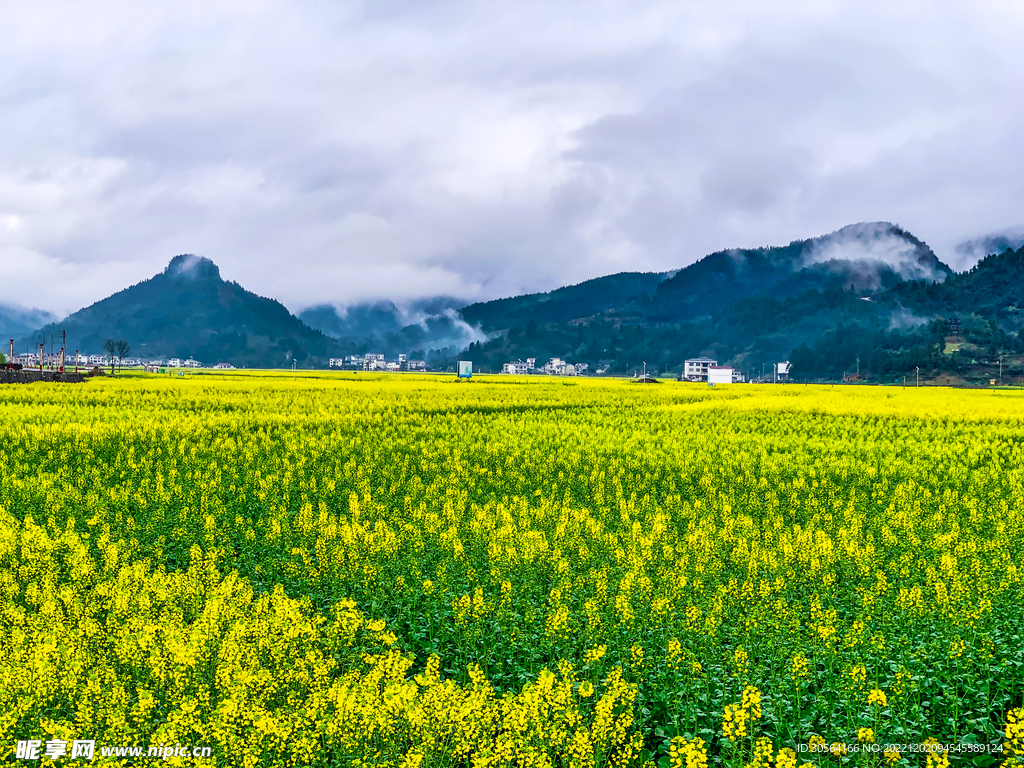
point(876, 244)
point(902, 319)
point(32, 279)
point(353, 151)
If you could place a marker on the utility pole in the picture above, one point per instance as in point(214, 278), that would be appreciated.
point(1000, 370)
point(918, 367)
point(76, 361)
point(645, 370)
point(42, 354)
point(858, 367)
point(10, 360)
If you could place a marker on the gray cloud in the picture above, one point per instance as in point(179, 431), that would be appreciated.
point(350, 151)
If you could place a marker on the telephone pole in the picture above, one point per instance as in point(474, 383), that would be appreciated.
point(918, 367)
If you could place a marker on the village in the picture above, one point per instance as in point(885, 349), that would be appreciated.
point(697, 369)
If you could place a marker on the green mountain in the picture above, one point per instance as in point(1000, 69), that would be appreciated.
point(871, 291)
point(866, 256)
point(188, 310)
point(586, 299)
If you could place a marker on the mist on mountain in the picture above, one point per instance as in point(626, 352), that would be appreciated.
point(426, 324)
point(17, 321)
point(973, 250)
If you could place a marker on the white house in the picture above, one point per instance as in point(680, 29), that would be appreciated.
point(552, 365)
point(518, 368)
point(174, 362)
point(696, 368)
point(228, 365)
point(720, 374)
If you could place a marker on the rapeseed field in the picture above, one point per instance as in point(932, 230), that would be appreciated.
point(414, 572)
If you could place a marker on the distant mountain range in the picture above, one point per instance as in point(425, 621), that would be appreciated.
point(865, 256)
point(871, 291)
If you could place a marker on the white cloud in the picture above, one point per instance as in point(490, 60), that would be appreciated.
point(335, 152)
point(874, 243)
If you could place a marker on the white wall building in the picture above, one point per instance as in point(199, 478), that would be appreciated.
point(518, 368)
point(720, 374)
point(552, 365)
point(696, 368)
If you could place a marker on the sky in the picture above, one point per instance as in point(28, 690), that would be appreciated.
point(338, 152)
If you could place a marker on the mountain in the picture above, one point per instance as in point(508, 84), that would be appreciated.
point(572, 302)
point(869, 291)
point(870, 295)
point(188, 310)
point(867, 256)
point(15, 322)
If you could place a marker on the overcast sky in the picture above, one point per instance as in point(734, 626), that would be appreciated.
point(343, 151)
